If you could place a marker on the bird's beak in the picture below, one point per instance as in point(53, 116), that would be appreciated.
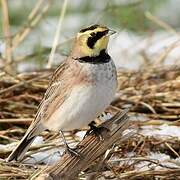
point(111, 32)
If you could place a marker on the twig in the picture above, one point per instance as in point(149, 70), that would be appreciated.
point(150, 173)
point(35, 16)
point(21, 84)
point(17, 121)
point(161, 23)
point(56, 38)
point(35, 10)
point(171, 148)
point(6, 30)
point(169, 49)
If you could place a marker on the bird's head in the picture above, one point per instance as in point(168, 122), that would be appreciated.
point(92, 40)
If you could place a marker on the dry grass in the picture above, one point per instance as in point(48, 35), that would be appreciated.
point(152, 92)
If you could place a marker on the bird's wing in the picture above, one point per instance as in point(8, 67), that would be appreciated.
point(58, 90)
point(56, 93)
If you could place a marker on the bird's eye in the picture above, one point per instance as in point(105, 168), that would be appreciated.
point(93, 34)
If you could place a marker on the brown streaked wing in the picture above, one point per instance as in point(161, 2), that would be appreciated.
point(56, 77)
point(55, 94)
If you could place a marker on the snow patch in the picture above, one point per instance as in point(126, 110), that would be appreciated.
point(162, 131)
point(160, 160)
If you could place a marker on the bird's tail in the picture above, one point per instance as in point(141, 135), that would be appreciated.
point(18, 153)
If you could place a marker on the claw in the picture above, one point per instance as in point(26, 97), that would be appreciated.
point(97, 131)
point(70, 151)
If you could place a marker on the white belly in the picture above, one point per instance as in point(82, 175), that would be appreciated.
point(82, 107)
point(85, 102)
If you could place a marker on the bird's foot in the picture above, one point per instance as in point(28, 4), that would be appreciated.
point(97, 131)
point(72, 151)
point(69, 150)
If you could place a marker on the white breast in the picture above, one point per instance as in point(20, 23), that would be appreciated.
point(86, 101)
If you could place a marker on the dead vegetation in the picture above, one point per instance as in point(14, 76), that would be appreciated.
point(152, 93)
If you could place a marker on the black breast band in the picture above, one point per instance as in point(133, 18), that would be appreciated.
point(103, 57)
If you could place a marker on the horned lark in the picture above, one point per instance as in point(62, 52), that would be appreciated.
point(80, 89)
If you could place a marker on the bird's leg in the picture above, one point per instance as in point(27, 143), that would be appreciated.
point(96, 130)
point(69, 150)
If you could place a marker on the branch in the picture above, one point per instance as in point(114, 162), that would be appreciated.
point(6, 30)
point(90, 148)
point(34, 18)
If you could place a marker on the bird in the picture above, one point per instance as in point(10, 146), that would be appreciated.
point(80, 89)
